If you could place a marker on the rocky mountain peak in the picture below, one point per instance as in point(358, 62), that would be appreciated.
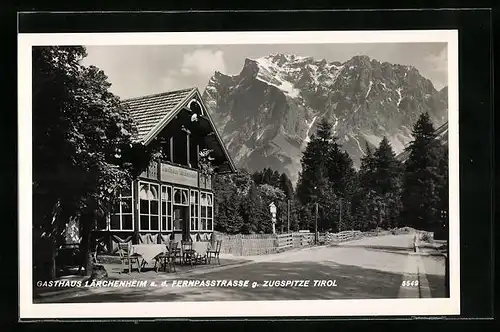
point(268, 112)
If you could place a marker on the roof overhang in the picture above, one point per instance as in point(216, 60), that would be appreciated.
point(163, 122)
point(153, 133)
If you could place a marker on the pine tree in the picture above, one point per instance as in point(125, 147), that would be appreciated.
point(443, 191)
point(340, 169)
point(267, 175)
point(387, 169)
point(306, 214)
point(387, 172)
point(227, 205)
point(285, 184)
point(251, 211)
point(328, 208)
point(294, 215)
point(341, 176)
point(328, 178)
point(363, 208)
point(257, 177)
point(314, 163)
point(275, 179)
point(312, 170)
point(366, 170)
point(324, 131)
point(420, 198)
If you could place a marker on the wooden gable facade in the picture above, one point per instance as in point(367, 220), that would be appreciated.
point(172, 198)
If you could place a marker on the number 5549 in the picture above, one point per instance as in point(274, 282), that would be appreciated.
point(409, 283)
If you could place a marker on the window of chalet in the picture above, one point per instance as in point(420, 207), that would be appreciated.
point(148, 207)
point(166, 208)
point(207, 210)
point(181, 196)
point(121, 216)
point(194, 209)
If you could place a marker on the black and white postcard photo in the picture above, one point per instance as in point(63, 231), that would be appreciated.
point(240, 174)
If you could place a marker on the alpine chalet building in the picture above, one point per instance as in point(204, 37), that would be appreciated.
point(172, 198)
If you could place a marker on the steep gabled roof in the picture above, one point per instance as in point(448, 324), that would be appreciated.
point(153, 112)
point(149, 111)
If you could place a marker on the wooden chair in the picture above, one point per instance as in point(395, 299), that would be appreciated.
point(214, 252)
point(166, 259)
point(171, 254)
point(175, 249)
point(127, 258)
point(188, 254)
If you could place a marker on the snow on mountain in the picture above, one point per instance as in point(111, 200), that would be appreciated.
point(269, 111)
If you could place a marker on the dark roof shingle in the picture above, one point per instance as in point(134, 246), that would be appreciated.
point(148, 111)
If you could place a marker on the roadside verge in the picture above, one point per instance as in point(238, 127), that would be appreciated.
point(423, 283)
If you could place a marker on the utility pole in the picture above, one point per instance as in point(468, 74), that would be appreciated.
point(288, 214)
point(379, 215)
point(316, 225)
point(340, 214)
point(282, 217)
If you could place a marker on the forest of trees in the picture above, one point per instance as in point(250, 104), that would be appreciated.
point(384, 193)
point(242, 202)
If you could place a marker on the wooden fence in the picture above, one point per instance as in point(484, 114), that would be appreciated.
point(285, 241)
point(262, 244)
point(247, 244)
point(332, 238)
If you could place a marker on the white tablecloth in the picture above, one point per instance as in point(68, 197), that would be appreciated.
point(200, 247)
point(148, 251)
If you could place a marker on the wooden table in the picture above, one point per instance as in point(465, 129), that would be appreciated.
point(200, 250)
point(149, 252)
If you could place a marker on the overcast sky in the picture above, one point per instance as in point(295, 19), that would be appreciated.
point(140, 70)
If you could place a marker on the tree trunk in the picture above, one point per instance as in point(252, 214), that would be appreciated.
point(53, 232)
point(85, 221)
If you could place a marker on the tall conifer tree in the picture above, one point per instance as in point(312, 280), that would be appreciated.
point(420, 183)
point(387, 184)
point(286, 185)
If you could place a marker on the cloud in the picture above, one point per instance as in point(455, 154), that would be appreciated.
point(437, 67)
point(168, 83)
point(203, 62)
point(438, 62)
point(195, 69)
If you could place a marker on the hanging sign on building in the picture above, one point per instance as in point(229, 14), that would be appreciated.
point(179, 175)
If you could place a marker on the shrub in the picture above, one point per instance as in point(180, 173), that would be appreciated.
point(425, 237)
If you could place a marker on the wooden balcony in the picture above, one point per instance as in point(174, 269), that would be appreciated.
point(175, 174)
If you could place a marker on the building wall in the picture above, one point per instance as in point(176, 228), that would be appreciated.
point(169, 178)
